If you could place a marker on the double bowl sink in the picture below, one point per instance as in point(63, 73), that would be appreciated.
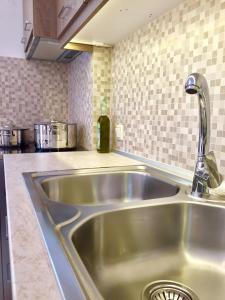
point(129, 233)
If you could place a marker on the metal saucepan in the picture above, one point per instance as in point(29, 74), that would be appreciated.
point(55, 135)
point(11, 136)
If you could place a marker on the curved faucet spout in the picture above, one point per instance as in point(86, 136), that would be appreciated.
point(197, 84)
point(206, 172)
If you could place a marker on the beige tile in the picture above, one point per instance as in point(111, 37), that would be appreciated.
point(149, 69)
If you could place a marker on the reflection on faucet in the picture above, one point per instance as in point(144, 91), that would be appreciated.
point(206, 172)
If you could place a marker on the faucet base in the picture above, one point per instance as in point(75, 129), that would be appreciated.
point(206, 176)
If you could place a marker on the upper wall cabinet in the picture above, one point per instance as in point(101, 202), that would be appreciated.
point(48, 25)
point(39, 20)
point(40, 29)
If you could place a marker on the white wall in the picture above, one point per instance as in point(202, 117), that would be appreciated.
point(11, 28)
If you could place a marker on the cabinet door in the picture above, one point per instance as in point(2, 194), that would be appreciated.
point(67, 11)
point(5, 281)
point(6, 276)
point(27, 21)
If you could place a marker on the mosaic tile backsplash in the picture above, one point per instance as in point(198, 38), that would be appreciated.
point(80, 98)
point(149, 69)
point(32, 91)
point(89, 84)
point(101, 70)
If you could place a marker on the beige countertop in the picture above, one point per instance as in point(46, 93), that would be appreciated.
point(31, 271)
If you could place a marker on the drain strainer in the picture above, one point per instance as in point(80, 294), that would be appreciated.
point(168, 290)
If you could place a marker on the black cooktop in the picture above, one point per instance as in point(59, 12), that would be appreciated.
point(31, 149)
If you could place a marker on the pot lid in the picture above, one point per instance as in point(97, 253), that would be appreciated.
point(10, 127)
point(50, 123)
point(6, 126)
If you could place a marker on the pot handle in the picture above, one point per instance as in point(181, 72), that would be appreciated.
point(50, 129)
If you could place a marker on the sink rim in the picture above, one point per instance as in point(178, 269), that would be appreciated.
point(46, 184)
point(40, 177)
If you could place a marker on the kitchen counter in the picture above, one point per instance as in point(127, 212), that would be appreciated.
point(31, 271)
point(32, 274)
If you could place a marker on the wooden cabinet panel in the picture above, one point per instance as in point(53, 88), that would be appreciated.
point(67, 11)
point(44, 21)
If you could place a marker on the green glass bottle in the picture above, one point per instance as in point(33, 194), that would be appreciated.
point(103, 130)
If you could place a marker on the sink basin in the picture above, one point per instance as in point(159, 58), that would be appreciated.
point(107, 186)
point(125, 251)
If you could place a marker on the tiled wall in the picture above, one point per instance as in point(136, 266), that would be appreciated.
point(80, 98)
point(101, 70)
point(32, 91)
point(149, 69)
point(89, 83)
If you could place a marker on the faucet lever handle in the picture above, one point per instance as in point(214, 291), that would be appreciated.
point(206, 175)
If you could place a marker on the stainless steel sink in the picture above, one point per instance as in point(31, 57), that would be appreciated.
point(107, 186)
point(104, 242)
point(126, 250)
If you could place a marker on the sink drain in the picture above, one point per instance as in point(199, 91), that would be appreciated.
point(167, 290)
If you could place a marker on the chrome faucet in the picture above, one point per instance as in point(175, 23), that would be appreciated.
point(206, 172)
